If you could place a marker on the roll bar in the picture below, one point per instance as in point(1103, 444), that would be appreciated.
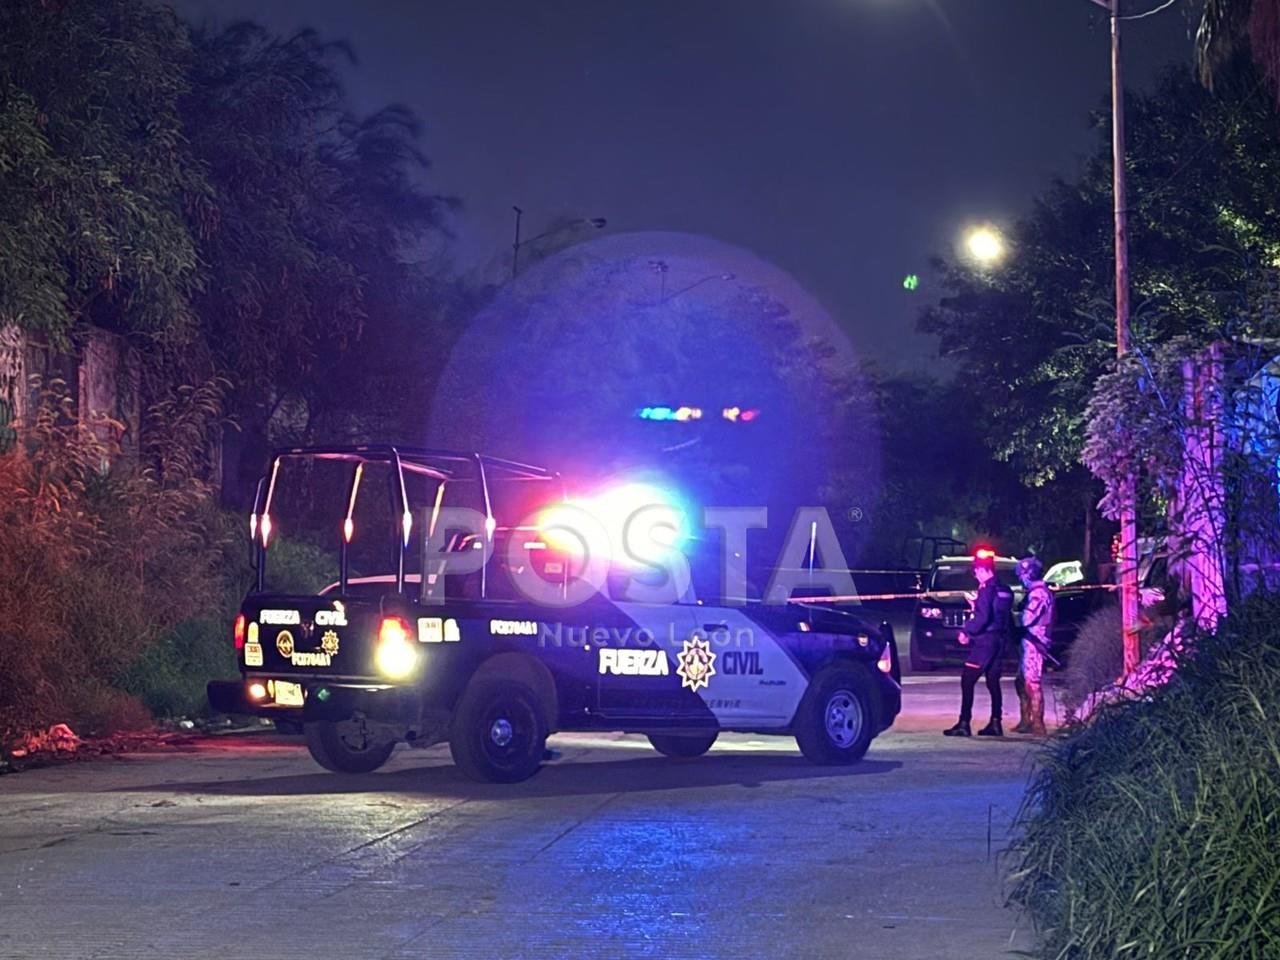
point(446, 466)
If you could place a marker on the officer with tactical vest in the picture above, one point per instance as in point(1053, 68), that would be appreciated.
point(986, 631)
point(1037, 632)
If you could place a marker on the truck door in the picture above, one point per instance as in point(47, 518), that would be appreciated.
point(638, 666)
point(757, 682)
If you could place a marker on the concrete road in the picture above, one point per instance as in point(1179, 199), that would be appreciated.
point(239, 846)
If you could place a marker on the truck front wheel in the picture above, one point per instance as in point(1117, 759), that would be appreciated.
point(499, 732)
point(347, 746)
point(837, 717)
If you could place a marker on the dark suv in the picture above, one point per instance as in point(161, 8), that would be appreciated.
point(943, 608)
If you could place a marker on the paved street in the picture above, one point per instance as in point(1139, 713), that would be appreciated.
point(238, 846)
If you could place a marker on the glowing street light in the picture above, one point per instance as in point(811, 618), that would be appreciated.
point(985, 245)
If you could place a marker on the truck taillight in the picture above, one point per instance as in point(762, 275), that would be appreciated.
point(885, 663)
point(239, 631)
point(393, 630)
point(396, 655)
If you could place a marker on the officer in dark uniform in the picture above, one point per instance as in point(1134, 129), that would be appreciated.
point(986, 632)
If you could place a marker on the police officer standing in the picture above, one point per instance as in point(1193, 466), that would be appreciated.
point(1037, 631)
point(986, 631)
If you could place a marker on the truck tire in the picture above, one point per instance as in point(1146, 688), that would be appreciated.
point(499, 732)
point(346, 746)
point(836, 718)
point(683, 746)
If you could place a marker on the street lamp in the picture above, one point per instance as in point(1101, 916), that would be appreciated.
point(697, 283)
point(985, 245)
point(598, 223)
point(661, 267)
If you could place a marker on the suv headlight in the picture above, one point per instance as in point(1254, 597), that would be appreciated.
point(931, 613)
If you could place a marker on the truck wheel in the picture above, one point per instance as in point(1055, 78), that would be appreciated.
point(346, 746)
point(683, 746)
point(499, 732)
point(836, 718)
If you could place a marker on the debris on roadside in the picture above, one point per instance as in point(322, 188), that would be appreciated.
point(59, 744)
point(56, 738)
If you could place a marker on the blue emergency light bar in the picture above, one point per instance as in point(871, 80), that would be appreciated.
point(686, 414)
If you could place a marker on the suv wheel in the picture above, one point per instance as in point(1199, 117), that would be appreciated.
point(683, 746)
point(836, 719)
point(499, 732)
point(346, 746)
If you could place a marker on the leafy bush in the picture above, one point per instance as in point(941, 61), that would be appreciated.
point(296, 566)
point(1097, 655)
point(1155, 830)
point(169, 676)
point(101, 556)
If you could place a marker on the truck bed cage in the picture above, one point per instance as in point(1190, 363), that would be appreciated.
point(446, 466)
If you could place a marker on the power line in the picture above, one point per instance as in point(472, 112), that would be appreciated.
point(1151, 13)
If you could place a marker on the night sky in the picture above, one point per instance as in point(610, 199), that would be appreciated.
point(844, 140)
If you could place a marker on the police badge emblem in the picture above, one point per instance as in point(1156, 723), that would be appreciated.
point(696, 664)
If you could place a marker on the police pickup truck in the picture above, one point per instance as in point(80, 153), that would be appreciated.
point(436, 628)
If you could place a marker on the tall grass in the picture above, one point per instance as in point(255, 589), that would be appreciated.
point(1096, 657)
point(1155, 830)
point(102, 557)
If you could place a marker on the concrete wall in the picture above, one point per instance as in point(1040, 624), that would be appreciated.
point(102, 376)
point(13, 378)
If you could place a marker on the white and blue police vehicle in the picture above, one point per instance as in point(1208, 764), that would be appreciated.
point(454, 615)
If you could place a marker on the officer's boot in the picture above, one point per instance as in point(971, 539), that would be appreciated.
point(992, 729)
point(961, 729)
point(1035, 709)
point(1024, 709)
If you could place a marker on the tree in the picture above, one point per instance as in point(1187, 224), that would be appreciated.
point(939, 479)
point(1032, 337)
point(96, 180)
point(315, 213)
point(556, 368)
point(1231, 28)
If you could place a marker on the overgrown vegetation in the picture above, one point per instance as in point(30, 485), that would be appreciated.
point(102, 559)
point(258, 249)
point(1155, 830)
point(1097, 655)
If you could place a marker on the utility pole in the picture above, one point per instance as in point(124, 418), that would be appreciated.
point(1128, 559)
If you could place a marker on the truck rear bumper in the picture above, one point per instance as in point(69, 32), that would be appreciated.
point(322, 701)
